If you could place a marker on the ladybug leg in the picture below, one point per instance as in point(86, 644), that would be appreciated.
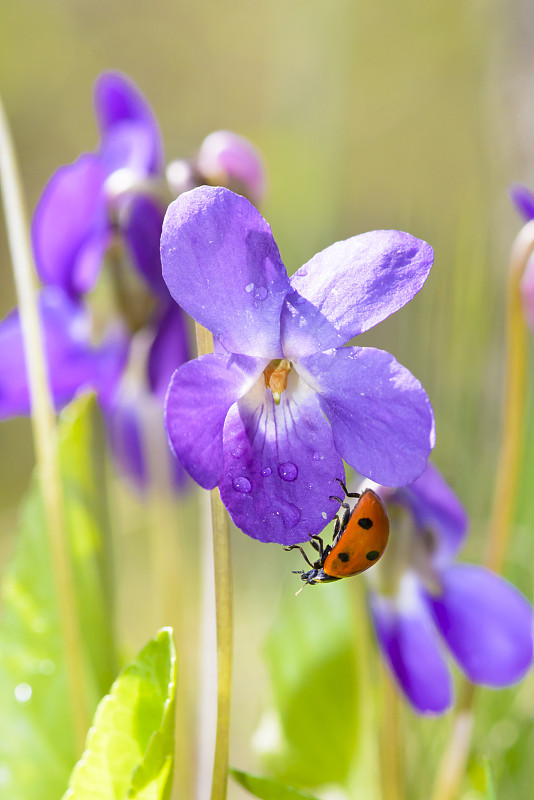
point(348, 494)
point(337, 499)
point(298, 547)
point(318, 544)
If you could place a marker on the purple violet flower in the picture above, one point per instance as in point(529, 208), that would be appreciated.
point(106, 205)
point(251, 418)
point(422, 603)
point(523, 200)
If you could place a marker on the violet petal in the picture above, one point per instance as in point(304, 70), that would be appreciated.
point(199, 397)
point(141, 221)
point(381, 417)
point(350, 287)
point(486, 622)
point(410, 644)
point(222, 266)
point(169, 349)
point(70, 231)
point(279, 465)
point(523, 199)
point(435, 507)
point(118, 100)
point(73, 364)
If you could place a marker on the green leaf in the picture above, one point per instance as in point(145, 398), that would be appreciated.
point(130, 748)
point(267, 788)
point(312, 665)
point(37, 750)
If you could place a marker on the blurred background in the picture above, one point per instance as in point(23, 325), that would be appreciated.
point(413, 115)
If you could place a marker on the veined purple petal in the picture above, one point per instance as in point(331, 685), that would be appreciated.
point(141, 223)
point(410, 644)
point(279, 465)
point(523, 199)
point(222, 266)
point(486, 623)
point(199, 397)
point(381, 417)
point(117, 101)
point(170, 349)
point(73, 364)
point(350, 287)
point(435, 507)
point(70, 231)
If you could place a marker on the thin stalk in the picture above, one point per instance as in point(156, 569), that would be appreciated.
point(223, 618)
point(390, 740)
point(44, 430)
point(454, 760)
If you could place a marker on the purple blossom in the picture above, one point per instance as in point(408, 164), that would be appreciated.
point(523, 200)
point(423, 604)
point(107, 206)
point(251, 417)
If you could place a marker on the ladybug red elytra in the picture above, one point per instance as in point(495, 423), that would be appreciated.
point(360, 538)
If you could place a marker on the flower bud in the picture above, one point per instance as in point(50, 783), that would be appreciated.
point(226, 159)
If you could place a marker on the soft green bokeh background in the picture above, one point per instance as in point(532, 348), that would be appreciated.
point(413, 115)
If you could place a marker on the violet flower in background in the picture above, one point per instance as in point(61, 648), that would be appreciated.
point(523, 200)
point(250, 418)
point(423, 603)
point(107, 208)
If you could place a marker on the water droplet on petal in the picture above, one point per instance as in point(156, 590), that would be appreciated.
point(242, 484)
point(260, 293)
point(317, 456)
point(302, 272)
point(324, 514)
point(266, 471)
point(288, 471)
point(249, 287)
point(23, 692)
point(300, 299)
point(289, 513)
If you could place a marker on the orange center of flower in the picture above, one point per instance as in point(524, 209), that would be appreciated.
point(275, 374)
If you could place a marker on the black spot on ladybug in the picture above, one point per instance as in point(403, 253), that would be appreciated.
point(343, 556)
point(365, 523)
point(372, 555)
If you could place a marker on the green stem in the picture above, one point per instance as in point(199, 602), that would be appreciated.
point(390, 740)
point(44, 430)
point(454, 760)
point(223, 617)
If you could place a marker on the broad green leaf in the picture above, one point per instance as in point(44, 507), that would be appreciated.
point(37, 749)
point(130, 748)
point(311, 659)
point(267, 788)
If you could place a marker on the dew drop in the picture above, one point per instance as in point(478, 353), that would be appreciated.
point(289, 513)
point(249, 287)
point(324, 514)
point(242, 484)
point(300, 299)
point(260, 293)
point(288, 471)
point(23, 692)
point(302, 272)
point(317, 456)
point(266, 471)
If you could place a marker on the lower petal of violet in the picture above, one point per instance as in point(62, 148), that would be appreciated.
point(410, 644)
point(141, 219)
point(200, 394)
point(72, 362)
point(280, 466)
point(381, 417)
point(486, 623)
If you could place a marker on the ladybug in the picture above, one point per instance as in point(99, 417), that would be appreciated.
point(360, 538)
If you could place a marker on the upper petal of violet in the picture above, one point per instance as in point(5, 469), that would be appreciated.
point(486, 623)
point(351, 286)
point(118, 101)
point(70, 230)
point(523, 200)
point(381, 417)
point(222, 266)
point(280, 465)
point(199, 397)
